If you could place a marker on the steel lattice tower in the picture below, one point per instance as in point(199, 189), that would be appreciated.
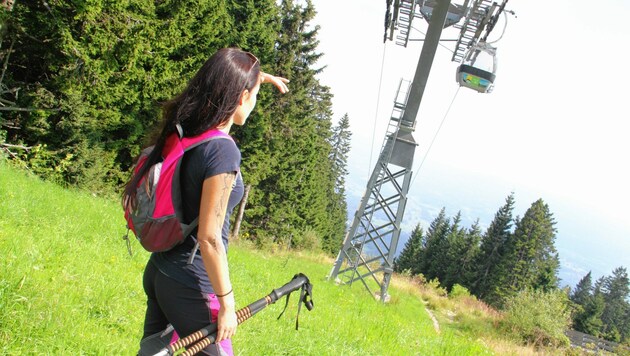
point(371, 241)
point(370, 244)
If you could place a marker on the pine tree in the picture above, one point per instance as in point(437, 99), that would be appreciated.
point(102, 69)
point(293, 194)
point(409, 257)
point(590, 306)
point(340, 142)
point(583, 290)
point(456, 250)
point(464, 267)
point(434, 259)
point(615, 291)
point(255, 26)
point(530, 259)
point(588, 319)
point(492, 248)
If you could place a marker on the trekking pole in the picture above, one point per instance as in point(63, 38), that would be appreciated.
point(207, 335)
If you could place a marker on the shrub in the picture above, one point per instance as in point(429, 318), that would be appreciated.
point(419, 279)
point(459, 291)
point(434, 284)
point(537, 317)
point(307, 240)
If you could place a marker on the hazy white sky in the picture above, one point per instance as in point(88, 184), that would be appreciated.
point(555, 127)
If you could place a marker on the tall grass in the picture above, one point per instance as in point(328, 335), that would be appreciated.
point(68, 286)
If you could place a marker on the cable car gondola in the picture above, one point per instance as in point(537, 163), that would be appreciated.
point(478, 68)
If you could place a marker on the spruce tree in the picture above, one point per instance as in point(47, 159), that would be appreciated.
point(589, 307)
point(492, 248)
point(583, 290)
point(455, 252)
point(102, 69)
point(294, 194)
point(255, 27)
point(409, 257)
point(530, 259)
point(615, 290)
point(434, 259)
point(588, 318)
point(465, 268)
point(340, 142)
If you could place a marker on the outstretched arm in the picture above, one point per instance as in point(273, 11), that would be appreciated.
point(279, 82)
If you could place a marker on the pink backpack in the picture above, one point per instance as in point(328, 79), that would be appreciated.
point(157, 219)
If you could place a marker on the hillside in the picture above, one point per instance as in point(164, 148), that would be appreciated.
point(68, 285)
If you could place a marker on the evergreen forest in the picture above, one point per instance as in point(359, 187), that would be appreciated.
point(82, 83)
point(80, 91)
point(515, 254)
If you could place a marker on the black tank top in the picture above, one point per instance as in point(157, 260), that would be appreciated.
point(211, 158)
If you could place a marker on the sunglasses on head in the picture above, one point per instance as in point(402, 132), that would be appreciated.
point(254, 62)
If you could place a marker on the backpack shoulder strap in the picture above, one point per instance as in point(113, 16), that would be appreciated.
point(175, 145)
point(188, 143)
point(191, 142)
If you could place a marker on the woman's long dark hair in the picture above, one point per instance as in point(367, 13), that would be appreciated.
point(208, 101)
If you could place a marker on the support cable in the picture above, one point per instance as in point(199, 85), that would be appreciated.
point(435, 136)
point(378, 100)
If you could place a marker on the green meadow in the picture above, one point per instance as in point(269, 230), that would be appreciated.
point(69, 286)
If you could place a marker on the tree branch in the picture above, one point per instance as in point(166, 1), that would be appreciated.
point(6, 101)
point(6, 61)
point(13, 108)
point(8, 145)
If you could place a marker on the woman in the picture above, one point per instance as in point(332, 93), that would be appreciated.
point(190, 296)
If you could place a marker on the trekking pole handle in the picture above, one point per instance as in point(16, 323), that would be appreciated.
point(206, 336)
point(194, 349)
point(296, 283)
point(208, 331)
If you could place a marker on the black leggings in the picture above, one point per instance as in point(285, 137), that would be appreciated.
point(187, 309)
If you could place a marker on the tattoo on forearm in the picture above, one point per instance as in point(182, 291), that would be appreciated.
point(213, 243)
point(228, 178)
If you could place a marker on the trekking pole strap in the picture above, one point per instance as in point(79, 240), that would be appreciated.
point(305, 293)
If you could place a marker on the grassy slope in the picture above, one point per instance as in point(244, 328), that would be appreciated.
point(68, 285)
